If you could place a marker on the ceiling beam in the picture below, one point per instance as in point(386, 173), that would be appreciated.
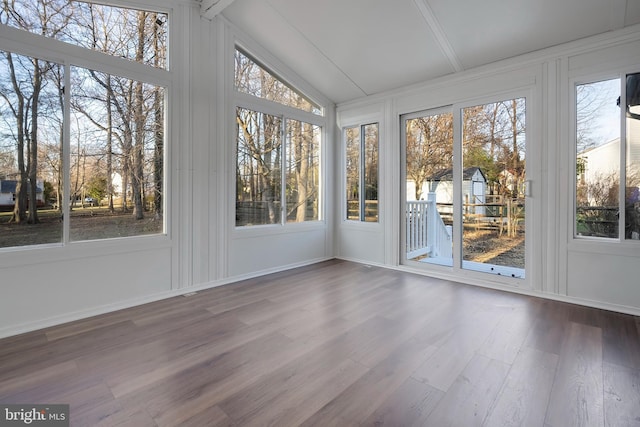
point(618, 14)
point(438, 32)
point(210, 8)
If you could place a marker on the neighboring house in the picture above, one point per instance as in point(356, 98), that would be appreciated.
point(8, 193)
point(116, 183)
point(474, 187)
point(600, 162)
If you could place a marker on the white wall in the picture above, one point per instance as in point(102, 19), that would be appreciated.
point(45, 286)
point(60, 290)
point(49, 285)
point(558, 266)
point(600, 272)
point(42, 286)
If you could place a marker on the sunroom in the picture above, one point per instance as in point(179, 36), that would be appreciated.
point(226, 140)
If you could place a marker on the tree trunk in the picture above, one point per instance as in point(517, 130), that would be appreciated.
point(137, 178)
point(158, 110)
point(109, 151)
point(302, 170)
point(33, 144)
point(158, 153)
point(20, 202)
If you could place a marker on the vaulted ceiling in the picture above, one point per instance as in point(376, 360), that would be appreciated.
point(348, 49)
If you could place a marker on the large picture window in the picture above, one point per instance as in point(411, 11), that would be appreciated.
point(607, 164)
point(277, 155)
point(81, 150)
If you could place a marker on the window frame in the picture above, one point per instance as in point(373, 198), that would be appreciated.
point(23, 42)
point(607, 244)
point(533, 177)
point(284, 112)
point(361, 173)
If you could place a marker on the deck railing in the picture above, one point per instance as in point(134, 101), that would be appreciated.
point(426, 233)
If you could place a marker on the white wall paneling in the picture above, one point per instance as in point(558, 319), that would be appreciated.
point(598, 275)
point(48, 285)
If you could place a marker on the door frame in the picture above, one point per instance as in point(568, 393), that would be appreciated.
point(532, 177)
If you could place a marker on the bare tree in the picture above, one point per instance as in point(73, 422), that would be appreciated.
point(429, 148)
point(28, 77)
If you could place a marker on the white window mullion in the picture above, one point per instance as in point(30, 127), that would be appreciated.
point(66, 155)
point(623, 160)
point(283, 170)
point(362, 166)
point(457, 187)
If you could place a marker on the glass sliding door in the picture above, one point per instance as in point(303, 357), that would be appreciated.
point(493, 187)
point(429, 201)
point(464, 188)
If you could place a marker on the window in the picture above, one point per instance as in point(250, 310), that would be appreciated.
point(361, 153)
point(258, 184)
point(253, 79)
point(116, 155)
point(278, 169)
point(607, 157)
point(104, 178)
point(30, 140)
point(597, 158)
point(136, 35)
point(632, 155)
point(302, 151)
point(493, 184)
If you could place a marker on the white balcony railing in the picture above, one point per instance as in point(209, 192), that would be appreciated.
point(427, 235)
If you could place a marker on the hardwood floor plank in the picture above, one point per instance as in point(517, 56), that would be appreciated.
point(219, 332)
point(621, 396)
point(547, 332)
point(210, 417)
point(507, 338)
point(82, 394)
point(619, 340)
point(60, 350)
point(337, 343)
point(241, 373)
point(186, 370)
point(577, 393)
point(290, 394)
point(112, 414)
point(457, 349)
point(360, 400)
point(524, 397)
point(37, 377)
point(409, 405)
point(11, 346)
point(470, 397)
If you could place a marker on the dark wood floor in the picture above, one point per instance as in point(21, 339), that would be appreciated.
point(336, 344)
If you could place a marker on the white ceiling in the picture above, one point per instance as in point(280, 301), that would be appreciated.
point(351, 48)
